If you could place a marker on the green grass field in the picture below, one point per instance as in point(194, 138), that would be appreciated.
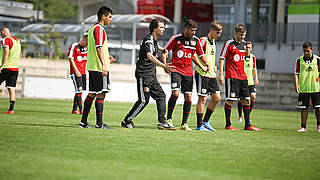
point(42, 141)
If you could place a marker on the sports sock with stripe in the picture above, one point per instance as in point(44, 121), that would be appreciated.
point(75, 104)
point(207, 115)
point(79, 101)
point(87, 106)
point(171, 104)
point(11, 107)
point(186, 111)
point(246, 113)
point(251, 105)
point(99, 110)
point(199, 119)
point(227, 112)
point(240, 109)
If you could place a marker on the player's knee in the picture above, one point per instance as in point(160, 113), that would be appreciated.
point(202, 100)
point(216, 98)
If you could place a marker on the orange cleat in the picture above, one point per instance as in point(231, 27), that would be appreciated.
point(252, 128)
point(9, 112)
point(76, 112)
point(231, 128)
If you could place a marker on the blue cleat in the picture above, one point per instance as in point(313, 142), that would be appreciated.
point(208, 126)
point(201, 128)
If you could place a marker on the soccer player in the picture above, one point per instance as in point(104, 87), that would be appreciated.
point(98, 65)
point(183, 47)
point(251, 71)
point(78, 61)
point(9, 64)
point(236, 85)
point(147, 83)
point(206, 81)
point(306, 81)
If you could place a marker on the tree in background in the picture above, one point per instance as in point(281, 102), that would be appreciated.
point(54, 9)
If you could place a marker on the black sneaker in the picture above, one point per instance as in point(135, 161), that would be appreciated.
point(83, 125)
point(127, 124)
point(103, 126)
point(165, 126)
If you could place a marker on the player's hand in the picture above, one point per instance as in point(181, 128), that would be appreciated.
point(208, 67)
point(204, 68)
point(256, 82)
point(78, 74)
point(168, 68)
point(112, 59)
point(104, 71)
point(221, 79)
point(215, 69)
point(1, 69)
point(297, 89)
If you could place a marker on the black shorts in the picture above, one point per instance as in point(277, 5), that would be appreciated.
point(237, 89)
point(98, 83)
point(304, 99)
point(206, 85)
point(9, 76)
point(80, 83)
point(252, 89)
point(181, 82)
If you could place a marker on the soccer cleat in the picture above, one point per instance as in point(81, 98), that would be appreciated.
point(185, 127)
point(231, 128)
point(302, 129)
point(318, 128)
point(9, 112)
point(252, 128)
point(165, 126)
point(127, 124)
point(103, 126)
point(208, 126)
point(169, 121)
point(240, 119)
point(75, 112)
point(202, 128)
point(83, 125)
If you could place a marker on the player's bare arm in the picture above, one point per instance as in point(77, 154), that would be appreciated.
point(166, 66)
point(197, 62)
point(256, 79)
point(102, 60)
point(204, 60)
point(74, 67)
point(221, 77)
point(4, 57)
point(296, 79)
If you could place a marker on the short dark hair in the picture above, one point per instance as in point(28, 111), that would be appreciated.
point(240, 28)
point(189, 23)
point(307, 44)
point(104, 10)
point(249, 42)
point(154, 24)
